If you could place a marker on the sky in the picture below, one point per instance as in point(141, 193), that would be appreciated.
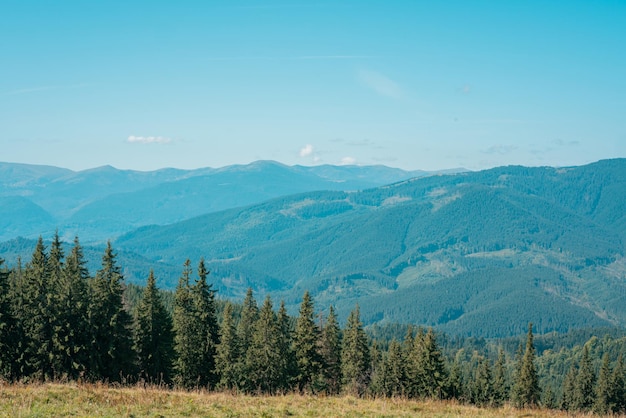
point(411, 84)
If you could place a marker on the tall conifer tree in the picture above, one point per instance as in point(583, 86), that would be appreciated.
point(8, 327)
point(306, 339)
point(355, 356)
point(331, 353)
point(154, 339)
point(526, 389)
point(227, 352)
point(111, 324)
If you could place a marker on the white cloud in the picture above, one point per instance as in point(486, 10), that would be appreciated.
point(306, 150)
point(348, 161)
point(148, 139)
point(381, 84)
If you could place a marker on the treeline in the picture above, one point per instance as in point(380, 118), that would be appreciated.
point(58, 323)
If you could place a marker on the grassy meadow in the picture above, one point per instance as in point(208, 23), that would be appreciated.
point(87, 400)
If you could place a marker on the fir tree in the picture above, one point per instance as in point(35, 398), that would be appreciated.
point(500, 384)
point(602, 403)
point(435, 373)
point(569, 388)
point(227, 352)
point(618, 386)
point(8, 327)
point(355, 358)
point(288, 359)
point(263, 358)
point(482, 388)
point(305, 343)
point(207, 330)
point(394, 371)
point(526, 389)
point(186, 348)
point(153, 336)
point(585, 382)
point(111, 325)
point(35, 316)
point(72, 334)
point(331, 353)
point(245, 330)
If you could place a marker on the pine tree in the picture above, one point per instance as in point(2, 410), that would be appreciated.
point(186, 347)
point(331, 353)
point(585, 382)
point(618, 386)
point(263, 358)
point(207, 330)
point(285, 342)
point(245, 331)
point(482, 389)
point(305, 343)
point(227, 352)
point(111, 324)
point(35, 316)
point(8, 329)
point(394, 371)
point(602, 403)
point(435, 373)
point(72, 333)
point(569, 388)
point(154, 339)
point(526, 388)
point(355, 358)
point(500, 384)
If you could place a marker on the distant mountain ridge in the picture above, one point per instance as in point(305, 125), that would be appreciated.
point(475, 253)
point(104, 202)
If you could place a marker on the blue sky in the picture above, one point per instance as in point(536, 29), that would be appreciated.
point(410, 84)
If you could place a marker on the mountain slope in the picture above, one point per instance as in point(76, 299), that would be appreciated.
point(512, 244)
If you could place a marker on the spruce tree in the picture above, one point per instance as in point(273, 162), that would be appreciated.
point(154, 339)
point(602, 403)
point(331, 353)
point(245, 330)
point(207, 330)
point(8, 327)
point(500, 384)
point(526, 388)
point(35, 316)
point(394, 371)
point(482, 388)
point(227, 352)
point(618, 386)
point(285, 342)
point(263, 358)
point(585, 383)
point(111, 325)
point(305, 343)
point(72, 334)
point(355, 356)
point(186, 347)
point(435, 373)
point(569, 389)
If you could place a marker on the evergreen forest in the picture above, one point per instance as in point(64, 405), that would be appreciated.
point(58, 322)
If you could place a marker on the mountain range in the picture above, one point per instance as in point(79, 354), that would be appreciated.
point(472, 253)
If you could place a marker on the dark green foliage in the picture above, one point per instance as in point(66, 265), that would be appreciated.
point(305, 344)
point(196, 329)
point(500, 381)
point(618, 386)
point(227, 352)
point(112, 356)
point(482, 392)
point(154, 338)
point(569, 389)
point(35, 315)
point(526, 391)
point(263, 370)
point(394, 378)
point(72, 342)
point(330, 350)
point(585, 382)
point(287, 365)
point(603, 402)
point(9, 337)
point(355, 356)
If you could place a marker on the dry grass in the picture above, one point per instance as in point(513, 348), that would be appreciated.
point(47, 400)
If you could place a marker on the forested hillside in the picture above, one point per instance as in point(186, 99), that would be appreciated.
point(58, 322)
point(472, 253)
